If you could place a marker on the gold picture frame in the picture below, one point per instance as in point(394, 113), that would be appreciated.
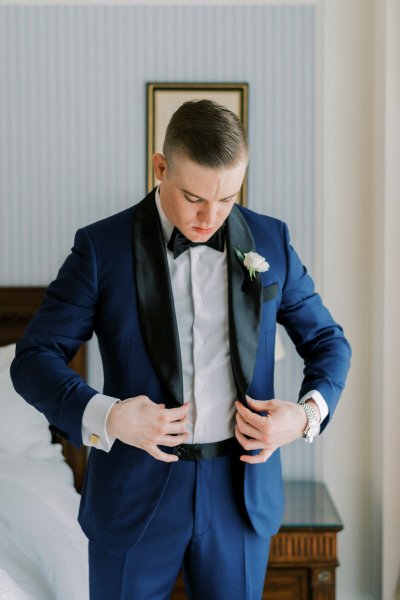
point(164, 98)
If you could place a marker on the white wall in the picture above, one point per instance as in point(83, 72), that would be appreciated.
point(347, 272)
point(386, 330)
point(361, 218)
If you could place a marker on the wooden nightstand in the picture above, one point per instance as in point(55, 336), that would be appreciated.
point(303, 557)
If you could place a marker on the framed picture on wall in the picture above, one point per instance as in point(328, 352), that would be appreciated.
point(163, 99)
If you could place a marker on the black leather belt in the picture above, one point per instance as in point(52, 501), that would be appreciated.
point(204, 451)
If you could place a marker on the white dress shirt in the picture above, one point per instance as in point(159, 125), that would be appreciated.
point(200, 289)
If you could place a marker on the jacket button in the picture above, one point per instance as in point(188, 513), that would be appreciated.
point(180, 451)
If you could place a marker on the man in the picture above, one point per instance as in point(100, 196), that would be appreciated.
point(185, 470)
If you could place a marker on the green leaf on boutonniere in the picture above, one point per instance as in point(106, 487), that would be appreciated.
point(239, 254)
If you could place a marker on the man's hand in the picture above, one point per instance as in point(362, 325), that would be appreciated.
point(142, 423)
point(283, 423)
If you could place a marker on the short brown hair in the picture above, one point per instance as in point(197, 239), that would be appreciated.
point(208, 133)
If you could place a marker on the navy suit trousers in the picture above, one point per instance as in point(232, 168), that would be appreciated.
point(200, 524)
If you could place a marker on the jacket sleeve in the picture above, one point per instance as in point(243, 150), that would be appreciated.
point(319, 340)
point(40, 371)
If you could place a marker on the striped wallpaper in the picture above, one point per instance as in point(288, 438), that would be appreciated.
point(73, 124)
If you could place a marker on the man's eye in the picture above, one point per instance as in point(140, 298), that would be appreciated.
point(192, 200)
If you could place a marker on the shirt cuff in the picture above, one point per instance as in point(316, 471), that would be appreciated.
point(94, 432)
point(319, 401)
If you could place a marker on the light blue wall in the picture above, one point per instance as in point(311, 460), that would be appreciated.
point(73, 123)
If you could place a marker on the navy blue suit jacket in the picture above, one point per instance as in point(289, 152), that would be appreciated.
point(116, 283)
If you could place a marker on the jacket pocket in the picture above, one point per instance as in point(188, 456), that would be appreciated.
point(270, 292)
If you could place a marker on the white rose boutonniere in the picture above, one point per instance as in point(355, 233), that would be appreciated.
point(253, 262)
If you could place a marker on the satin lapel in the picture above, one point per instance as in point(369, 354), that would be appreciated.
point(155, 299)
point(245, 303)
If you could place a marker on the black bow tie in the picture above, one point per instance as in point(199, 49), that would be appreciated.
point(178, 243)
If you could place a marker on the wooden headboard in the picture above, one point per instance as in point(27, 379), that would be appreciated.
point(17, 307)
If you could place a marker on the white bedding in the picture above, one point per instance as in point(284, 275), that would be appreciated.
point(43, 552)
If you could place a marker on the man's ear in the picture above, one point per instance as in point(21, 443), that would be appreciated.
point(160, 166)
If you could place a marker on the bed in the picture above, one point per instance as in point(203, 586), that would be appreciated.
point(43, 552)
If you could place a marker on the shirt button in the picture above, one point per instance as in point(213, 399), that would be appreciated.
point(200, 302)
point(200, 341)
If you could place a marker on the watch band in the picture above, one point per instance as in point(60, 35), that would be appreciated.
point(313, 423)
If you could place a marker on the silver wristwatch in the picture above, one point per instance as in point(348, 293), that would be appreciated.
point(313, 424)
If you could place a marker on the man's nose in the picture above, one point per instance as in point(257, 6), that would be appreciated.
point(208, 215)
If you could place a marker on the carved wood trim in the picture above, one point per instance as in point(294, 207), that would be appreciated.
point(303, 547)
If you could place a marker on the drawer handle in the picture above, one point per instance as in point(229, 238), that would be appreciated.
point(324, 577)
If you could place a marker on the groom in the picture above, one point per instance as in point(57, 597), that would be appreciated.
point(185, 466)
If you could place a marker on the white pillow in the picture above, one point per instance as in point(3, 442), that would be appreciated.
point(23, 430)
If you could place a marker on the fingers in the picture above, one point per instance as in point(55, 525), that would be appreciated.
point(168, 422)
point(260, 405)
point(158, 454)
point(169, 441)
point(247, 429)
point(173, 440)
point(176, 426)
point(140, 422)
point(248, 444)
point(252, 418)
point(262, 457)
point(175, 414)
point(172, 426)
point(252, 425)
